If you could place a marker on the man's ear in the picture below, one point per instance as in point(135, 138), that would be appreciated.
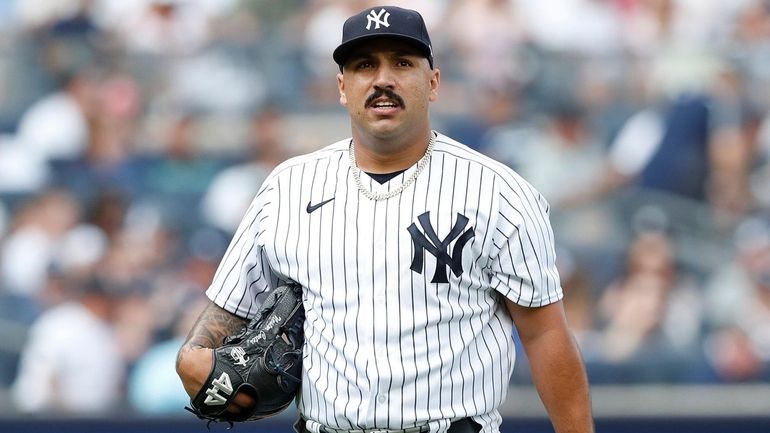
point(435, 81)
point(341, 88)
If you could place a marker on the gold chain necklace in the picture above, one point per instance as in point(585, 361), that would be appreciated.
point(377, 196)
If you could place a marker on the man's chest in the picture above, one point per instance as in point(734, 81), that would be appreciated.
point(351, 236)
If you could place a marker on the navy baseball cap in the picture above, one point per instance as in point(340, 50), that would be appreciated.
point(384, 21)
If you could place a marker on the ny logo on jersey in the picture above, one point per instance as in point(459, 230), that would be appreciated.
point(430, 241)
point(377, 19)
point(223, 385)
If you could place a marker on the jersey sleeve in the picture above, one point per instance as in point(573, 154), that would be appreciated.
point(523, 265)
point(244, 276)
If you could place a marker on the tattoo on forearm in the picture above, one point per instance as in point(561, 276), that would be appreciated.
point(213, 325)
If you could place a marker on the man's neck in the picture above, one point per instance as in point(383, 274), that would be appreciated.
point(387, 156)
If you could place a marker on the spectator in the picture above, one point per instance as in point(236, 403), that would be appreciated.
point(158, 27)
point(180, 171)
point(33, 241)
point(321, 34)
point(686, 156)
point(650, 316)
point(485, 39)
point(559, 27)
point(110, 163)
point(738, 301)
point(56, 127)
point(71, 363)
point(232, 190)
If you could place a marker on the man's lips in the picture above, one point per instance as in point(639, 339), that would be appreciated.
point(384, 106)
point(384, 99)
point(385, 103)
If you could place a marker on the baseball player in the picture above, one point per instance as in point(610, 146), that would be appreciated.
point(416, 256)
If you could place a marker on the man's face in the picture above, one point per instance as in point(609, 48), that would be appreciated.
point(386, 85)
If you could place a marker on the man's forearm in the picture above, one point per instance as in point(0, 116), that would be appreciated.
point(194, 360)
point(212, 326)
point(560, 378)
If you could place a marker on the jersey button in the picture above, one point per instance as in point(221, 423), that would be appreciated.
point(382, 398)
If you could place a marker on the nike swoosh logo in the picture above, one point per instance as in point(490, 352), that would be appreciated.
point(313, 208)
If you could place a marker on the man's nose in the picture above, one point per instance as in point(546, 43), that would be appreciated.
point(384, 77)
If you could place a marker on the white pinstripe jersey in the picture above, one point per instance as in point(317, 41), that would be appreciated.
point(389, 344)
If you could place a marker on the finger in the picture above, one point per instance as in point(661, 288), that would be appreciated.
point(241, 403)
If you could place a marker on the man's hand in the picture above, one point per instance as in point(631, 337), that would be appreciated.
point(236, 370)
point(196, 357)
point(194, 366)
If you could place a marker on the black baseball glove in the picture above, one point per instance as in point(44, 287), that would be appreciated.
point(264, 360)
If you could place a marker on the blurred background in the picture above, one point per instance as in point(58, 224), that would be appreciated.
point(133, 134)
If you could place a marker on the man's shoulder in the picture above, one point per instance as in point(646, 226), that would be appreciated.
point(452, 148)
point(507, 182)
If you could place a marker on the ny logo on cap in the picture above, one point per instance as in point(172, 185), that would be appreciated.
point(377, 19)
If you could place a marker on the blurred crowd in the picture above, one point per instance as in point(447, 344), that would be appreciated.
point(133, 134)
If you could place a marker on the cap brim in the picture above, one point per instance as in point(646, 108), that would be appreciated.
point(343, 52)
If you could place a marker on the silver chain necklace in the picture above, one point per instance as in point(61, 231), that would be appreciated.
point(377, 196)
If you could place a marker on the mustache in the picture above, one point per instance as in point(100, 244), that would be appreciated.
point(384, 91)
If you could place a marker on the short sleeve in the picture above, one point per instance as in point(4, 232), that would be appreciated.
point(523, 266)
point(244, 272)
